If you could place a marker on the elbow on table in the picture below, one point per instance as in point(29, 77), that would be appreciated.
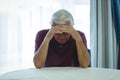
point(37, 66)
point(84, 65)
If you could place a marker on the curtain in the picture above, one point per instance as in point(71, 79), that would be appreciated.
point(103, 40)
point(21, 20)
point(16, 50)
point(116, 18)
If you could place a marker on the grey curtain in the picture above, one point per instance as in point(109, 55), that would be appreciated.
point(116, 19)
point(103, 40)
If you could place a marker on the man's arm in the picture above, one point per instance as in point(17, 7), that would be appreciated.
point(83, 55)
point(41, 53)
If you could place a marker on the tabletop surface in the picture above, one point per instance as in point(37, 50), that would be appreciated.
point(62, 73)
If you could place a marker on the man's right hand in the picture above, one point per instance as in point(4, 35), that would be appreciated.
point(53, 31)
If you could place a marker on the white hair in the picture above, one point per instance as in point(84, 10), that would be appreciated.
point(61, 17)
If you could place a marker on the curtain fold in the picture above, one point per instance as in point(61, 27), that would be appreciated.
point(116, 19)
point(103, 39)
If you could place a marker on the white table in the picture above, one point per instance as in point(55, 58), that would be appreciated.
point(62, 73)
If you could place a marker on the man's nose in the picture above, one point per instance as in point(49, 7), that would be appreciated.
point(62, 35)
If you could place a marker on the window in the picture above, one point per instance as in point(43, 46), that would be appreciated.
point(21, 20)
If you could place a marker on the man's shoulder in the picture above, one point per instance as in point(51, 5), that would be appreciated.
point(80, 32)
point(43, 31)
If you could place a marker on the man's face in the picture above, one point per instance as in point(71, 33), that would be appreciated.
point(61, 38)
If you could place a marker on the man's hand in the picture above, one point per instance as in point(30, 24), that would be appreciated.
point(70, 30)
point(53, 31)
point(63, 29)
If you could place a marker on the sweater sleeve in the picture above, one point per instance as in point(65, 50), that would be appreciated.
point(83, 38)
point(39, 38)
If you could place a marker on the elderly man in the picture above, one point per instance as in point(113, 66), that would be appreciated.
point(61, 45)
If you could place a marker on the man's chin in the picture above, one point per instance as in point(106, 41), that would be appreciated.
point(62, 42)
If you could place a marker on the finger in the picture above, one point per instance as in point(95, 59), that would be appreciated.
point(65, 29)
point(57, 30)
